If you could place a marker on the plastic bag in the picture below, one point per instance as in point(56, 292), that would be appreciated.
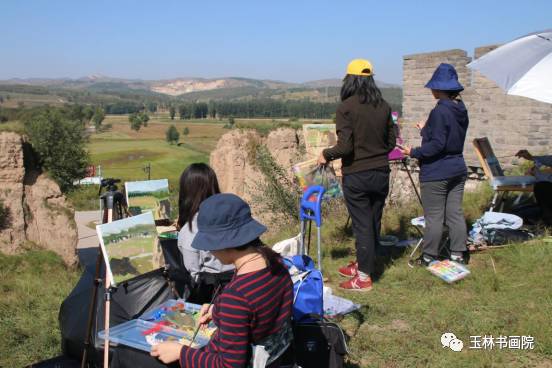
point(288, 247)
point(309, 173)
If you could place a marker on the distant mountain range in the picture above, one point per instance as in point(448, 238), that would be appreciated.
point(180, 86)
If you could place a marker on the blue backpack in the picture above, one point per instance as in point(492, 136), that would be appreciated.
point(307, 288)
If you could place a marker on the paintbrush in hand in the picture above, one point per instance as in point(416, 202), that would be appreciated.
point(215, 294)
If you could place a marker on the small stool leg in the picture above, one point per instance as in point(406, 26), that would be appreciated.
point(493, 201)
point(416, 248)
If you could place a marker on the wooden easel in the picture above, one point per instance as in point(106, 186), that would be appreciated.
point(108, 202)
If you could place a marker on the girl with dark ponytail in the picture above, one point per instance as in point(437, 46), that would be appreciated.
point(365, 136)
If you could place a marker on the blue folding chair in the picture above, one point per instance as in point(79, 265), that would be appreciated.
point(311, 210)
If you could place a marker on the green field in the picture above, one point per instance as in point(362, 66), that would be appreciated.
point(124, 154)
point(31, 100)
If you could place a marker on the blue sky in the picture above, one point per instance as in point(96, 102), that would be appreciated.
point(283, 40)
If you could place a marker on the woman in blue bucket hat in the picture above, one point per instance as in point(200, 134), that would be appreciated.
point(443, 171)
point(255, 307)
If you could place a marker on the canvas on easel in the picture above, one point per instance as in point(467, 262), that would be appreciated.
point(149, 195)
point(129, 247)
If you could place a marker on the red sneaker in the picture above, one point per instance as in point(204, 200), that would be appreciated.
point(351, 270)
point(356, 284)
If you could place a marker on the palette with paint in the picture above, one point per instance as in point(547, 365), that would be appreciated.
point(179, 315)
point(142, 335)
point(174, 320)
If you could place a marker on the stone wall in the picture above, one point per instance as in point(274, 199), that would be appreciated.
point(12, 172)
point(510, 122)
point(236, 173)
point(36, 210)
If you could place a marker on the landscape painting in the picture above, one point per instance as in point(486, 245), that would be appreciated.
point(319, 137)
point(149, 195)
point(129, 246)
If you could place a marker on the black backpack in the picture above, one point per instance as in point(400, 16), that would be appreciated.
point(319, 343)
point(506, 236)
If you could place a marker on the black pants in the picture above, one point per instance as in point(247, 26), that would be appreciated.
point(543, 195)
point(365, 193)
point(442, 202)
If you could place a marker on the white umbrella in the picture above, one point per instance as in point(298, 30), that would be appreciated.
point(522, 67)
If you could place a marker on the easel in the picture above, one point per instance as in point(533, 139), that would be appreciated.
point(404, 162)
point(111, 203)
point(113, 207)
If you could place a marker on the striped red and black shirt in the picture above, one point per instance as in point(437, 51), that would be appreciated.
point(251, 307)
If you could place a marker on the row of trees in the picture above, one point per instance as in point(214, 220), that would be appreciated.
point(267, 108)
point(80, 113)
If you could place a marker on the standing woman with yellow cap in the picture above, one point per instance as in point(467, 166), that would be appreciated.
point(365, 136)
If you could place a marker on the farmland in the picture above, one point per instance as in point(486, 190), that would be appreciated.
point(125, 154)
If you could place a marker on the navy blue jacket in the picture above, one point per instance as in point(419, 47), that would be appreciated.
point(440, 155)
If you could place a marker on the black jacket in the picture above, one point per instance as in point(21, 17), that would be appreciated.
point(365, 136)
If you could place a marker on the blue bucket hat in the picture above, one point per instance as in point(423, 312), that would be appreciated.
point(445, 78)
point(224, 221)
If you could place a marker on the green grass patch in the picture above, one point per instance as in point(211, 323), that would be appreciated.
point(33, 285)
point(85, 198)
point(403, 317)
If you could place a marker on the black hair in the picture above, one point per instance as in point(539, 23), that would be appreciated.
point(453, 94)
point(197, 183)
point(362, 86)
point(270, 256)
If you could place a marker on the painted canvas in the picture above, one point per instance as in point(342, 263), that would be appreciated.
point(319, 137)
point(129, 246)
point(308, 173)
point(149, 195)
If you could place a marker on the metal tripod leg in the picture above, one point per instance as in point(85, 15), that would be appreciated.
point(412, 181)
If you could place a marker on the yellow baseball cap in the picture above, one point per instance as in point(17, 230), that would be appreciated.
point(360, 67)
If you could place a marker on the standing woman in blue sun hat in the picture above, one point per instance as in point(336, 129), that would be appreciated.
point(443, 171)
